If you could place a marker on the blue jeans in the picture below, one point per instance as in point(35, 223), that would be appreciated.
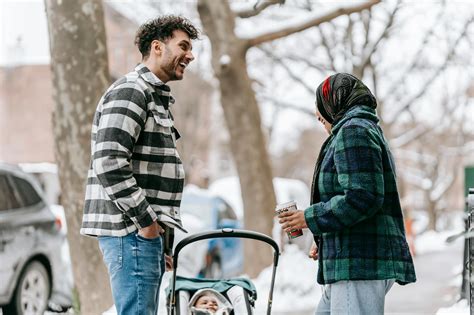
point(136, 266)
point(362, 297)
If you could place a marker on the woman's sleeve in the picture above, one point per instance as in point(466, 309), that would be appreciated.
point(359, 172)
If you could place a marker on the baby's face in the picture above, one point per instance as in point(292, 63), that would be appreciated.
point(207, 302)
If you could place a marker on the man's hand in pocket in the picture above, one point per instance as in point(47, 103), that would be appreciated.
point(152, 231)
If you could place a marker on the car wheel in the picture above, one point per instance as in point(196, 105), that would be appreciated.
point(32, 291)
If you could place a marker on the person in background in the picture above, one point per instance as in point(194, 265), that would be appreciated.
point(136, 176)
point(355, 213)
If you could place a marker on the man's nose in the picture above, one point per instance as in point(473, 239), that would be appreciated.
point(190, 56)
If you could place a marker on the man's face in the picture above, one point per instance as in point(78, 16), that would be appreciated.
point(207, 302)
point(176, 56)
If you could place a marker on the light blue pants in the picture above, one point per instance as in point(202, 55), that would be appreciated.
point(136, 266)
point(354, 297)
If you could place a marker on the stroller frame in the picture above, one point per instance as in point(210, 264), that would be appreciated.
point(224, 233)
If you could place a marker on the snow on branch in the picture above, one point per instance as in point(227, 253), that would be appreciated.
point(414, 156)
point(301, 24)
point(465, 149)
point(416, 178)
point(256, 8)
point(410, 136)
point(442, 186)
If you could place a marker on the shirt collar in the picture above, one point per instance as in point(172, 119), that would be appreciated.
point(150, 77)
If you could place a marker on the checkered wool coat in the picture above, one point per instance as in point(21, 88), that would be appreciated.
point(355, 215)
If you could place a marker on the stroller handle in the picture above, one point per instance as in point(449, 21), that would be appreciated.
point(224, 233)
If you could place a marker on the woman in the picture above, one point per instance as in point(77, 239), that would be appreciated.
point(355, 214)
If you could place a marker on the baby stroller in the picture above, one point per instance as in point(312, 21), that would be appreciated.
point(238, 294)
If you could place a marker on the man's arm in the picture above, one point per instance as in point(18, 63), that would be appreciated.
point(123, 116)
point(358, 161)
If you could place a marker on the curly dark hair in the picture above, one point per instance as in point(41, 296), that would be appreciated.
point(162, 29)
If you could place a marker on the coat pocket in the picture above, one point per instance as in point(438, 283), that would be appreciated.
point(162, 120)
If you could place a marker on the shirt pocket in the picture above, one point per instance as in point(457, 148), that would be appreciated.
point(162, 126)
point(162, 119)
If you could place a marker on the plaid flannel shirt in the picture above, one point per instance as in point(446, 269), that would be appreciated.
point(136, 176)
point(357, 219)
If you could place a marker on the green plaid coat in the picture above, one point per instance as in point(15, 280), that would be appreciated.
point(357, 220)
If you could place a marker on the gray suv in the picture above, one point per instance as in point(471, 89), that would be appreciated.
point(34, 271)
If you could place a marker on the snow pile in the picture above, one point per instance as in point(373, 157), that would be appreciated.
point(432, 241)
point(296, 290)
point(460, 308)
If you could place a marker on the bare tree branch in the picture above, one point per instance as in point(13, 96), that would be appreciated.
point(308, 23)
point(309, 64)
point(366, 18)
point(285, 105)
point(406, 105)
point(369, 50)
point(258, 7)
point(327, 47)
point(295, 77)
point(395, 86)
point(349, 43)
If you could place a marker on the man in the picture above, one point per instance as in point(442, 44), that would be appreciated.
point(355, 213)
point(136, 176)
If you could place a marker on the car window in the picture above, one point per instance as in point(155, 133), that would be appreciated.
point(9, 199)
point(27, 194)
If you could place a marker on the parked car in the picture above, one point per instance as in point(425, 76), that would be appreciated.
point(35, 270)
point(224, 257)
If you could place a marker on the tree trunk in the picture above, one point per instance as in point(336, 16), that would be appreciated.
point(432, 213)
point(242, 116)
point(80, 75)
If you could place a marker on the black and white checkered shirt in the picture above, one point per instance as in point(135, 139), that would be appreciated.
point(136, 175)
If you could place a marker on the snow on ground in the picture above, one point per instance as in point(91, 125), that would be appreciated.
point(296, 290)
point(432, 241)
point(460, 308)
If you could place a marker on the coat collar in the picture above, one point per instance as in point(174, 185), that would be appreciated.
point(363, 111)
point(161, 88)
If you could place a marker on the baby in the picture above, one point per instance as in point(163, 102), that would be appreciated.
point(209, 301)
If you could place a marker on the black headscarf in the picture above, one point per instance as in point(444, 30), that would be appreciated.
point(340, 92)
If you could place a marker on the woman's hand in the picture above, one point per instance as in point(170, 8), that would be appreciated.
point(313, 252)
point(292, 220)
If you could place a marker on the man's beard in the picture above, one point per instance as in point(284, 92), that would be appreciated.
point(171, 66)
point(170, 69)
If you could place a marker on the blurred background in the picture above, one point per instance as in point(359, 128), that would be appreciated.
point(245, 110)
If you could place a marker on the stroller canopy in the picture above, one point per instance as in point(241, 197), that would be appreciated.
point(220, 285)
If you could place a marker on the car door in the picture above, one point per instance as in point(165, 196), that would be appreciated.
point(8, 253)
point(22, 221)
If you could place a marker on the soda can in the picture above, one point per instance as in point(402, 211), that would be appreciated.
point(287, 206)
